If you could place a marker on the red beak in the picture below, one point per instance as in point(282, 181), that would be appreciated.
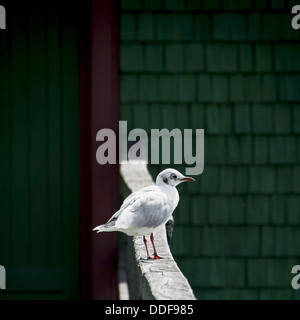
point(187, 179)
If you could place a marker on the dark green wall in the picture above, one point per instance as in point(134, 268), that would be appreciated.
point(232, 68)
point(39, 162)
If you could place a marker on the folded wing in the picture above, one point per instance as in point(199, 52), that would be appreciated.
point(144, 209)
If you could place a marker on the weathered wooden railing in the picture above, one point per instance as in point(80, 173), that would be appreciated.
point(140, 278)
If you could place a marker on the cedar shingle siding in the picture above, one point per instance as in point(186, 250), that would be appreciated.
point(232, 68)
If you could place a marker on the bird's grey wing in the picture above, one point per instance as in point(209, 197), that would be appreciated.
point(130, 200)
point(148, 210)
point(136, 195)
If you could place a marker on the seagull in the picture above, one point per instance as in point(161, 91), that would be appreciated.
point(143, 211)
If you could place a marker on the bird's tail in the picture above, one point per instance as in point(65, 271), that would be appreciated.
point(99, 229)
point(110, 226)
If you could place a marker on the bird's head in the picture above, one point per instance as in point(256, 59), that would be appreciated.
point(171, 177)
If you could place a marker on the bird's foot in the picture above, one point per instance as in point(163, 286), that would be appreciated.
point(149, 258)
point(157, 257)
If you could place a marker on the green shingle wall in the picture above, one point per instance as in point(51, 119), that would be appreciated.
point(232, 68)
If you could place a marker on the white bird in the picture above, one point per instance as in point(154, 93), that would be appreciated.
point(147, 209)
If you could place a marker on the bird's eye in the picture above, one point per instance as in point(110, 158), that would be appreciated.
point(173, 176)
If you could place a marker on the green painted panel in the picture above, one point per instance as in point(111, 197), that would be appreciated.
point(34, 279)
point(37, 137)
point(39, 204)
point(5, 159)
point(70, 159)
point(20, 143)
point(54, 144)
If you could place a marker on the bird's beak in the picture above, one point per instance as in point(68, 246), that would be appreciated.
point(187, 179)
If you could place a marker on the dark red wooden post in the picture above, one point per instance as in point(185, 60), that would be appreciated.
point(99, 183)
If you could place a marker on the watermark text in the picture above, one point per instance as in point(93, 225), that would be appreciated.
point(2, 18)
point(188, 147)
point(296, 19)
point(296, 279)
point(2, 277)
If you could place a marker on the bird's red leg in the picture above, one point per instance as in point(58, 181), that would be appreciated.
point(156, 256)
point(145, 242)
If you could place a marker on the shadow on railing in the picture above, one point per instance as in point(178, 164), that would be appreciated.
point(139, 278)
